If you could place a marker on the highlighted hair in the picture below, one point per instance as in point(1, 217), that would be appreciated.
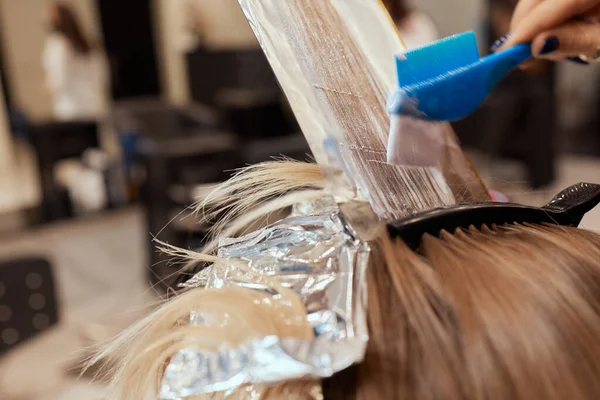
point(500, 312)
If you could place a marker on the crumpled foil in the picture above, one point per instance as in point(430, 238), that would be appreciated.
point(315, 255)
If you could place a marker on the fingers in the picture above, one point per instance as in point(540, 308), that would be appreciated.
point(547, 15)
point(523, 8)
point(568, 40)
point(593, 15)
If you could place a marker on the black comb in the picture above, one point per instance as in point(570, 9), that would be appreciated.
point(566, 209)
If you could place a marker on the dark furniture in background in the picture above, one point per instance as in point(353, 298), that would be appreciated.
point(255, 117)
point(239, 116)
point(212, 72)
point(241, 86)
point(178, 151)
point(53, 142)
point(28, 302)
point(174, 167)
point(174, 151)
point(519, 120)
point(128, 33)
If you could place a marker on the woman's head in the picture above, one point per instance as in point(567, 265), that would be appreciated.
point(62, 20)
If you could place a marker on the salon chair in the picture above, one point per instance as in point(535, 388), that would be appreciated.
point(173, 166)
point(241, 86)
point(293, 146)
point(211, 72)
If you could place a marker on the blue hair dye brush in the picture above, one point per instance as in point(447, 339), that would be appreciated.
point(446, 80)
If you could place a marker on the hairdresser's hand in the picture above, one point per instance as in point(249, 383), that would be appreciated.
point(558, 29)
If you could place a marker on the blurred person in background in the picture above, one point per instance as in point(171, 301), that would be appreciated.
point(416, 28)
point(76, 72)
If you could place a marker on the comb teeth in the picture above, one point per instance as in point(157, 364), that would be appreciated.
point(437, 58)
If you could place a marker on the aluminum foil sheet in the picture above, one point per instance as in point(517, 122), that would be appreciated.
point(320, 260)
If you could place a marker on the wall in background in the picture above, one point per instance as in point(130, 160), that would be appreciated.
point(10, 199)
point(6, 143)
point(221, 23)
point(454, 16)
point(23, 28)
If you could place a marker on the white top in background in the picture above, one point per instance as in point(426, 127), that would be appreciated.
point(417, 29)
point(78, 83)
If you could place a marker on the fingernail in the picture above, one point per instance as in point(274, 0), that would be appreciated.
point(500, 42)
point(578, 60)
point(550, 45)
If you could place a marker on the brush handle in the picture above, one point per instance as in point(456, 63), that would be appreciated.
point(503, 62)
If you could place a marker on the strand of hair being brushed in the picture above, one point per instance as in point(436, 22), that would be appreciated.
point(356, 100)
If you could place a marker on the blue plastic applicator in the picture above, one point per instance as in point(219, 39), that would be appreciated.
point(446, 80)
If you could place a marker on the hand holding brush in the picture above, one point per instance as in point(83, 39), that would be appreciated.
point(556, 29)
point(447, 81)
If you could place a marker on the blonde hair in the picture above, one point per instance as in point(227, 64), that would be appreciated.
point(500, 312)
point(509, 312)
point(256, 191)
point(231, 316)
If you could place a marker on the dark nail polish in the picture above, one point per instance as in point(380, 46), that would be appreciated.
point(550, 45)
point(500, 42)
point(578, 60)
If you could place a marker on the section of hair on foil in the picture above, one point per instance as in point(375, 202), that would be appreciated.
point(351, 103)
point(257, 191)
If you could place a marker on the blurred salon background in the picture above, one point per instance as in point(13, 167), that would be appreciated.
point(115, 116)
